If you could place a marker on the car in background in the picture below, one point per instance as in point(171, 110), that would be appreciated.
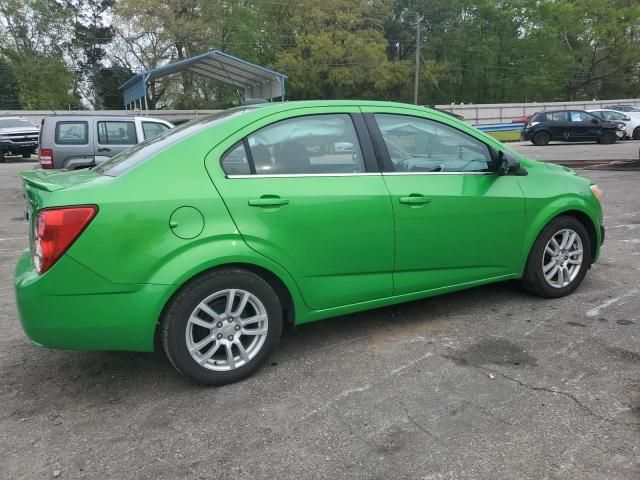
point(523, 119)
point(632, 124)
point(204, 240)
point(18, 136)
point(569, 126)
point(82, 141)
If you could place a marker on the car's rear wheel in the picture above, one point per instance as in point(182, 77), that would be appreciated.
point(222, 326)
point(607, 138)
point(559, 258)
point(541, 139)
point(636, 133)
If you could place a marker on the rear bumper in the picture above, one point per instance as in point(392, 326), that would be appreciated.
point(70, 307)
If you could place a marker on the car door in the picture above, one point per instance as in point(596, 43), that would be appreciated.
point(304, 192)
point(558, 125)
point(456, 222)
point(112, 137)
point(583, 126)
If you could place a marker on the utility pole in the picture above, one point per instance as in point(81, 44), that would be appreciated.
point(416, 78)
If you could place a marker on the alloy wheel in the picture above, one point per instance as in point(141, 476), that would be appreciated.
point(562, 258)
point(226, 330)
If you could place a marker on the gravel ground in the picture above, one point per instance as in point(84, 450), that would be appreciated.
point(489, 383)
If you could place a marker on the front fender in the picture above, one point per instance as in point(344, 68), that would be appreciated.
point(542, 211)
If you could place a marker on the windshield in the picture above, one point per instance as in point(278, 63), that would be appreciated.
point(15, 123)
point(138, 153)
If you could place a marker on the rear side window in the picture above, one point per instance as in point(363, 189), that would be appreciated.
point(117, 133)
point(418, 144)
point(313, 144)
point(151, 129)
point(557, 117)
point(72, 133)
point(235, 161)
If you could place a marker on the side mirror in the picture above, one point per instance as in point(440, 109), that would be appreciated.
point(507, 164)
point(595, 121)
point(627, 119)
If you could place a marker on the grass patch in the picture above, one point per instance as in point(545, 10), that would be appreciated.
point(508, 136)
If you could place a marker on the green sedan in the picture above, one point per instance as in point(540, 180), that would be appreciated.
point(205, 239)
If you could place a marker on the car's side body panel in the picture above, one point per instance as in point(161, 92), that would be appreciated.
point(109, 289)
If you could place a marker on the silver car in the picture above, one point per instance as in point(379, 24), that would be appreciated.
point(81, 141)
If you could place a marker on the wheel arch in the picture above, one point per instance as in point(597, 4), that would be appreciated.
point(281, 288)
point(541, 222)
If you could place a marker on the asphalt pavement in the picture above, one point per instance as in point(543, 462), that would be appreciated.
point(488, 383)
point(591, 151)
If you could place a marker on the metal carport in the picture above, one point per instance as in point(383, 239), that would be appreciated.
point(254, 81)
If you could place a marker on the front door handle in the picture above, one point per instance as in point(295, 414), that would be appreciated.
point(104, 149)
point(415, 199)
point(268, 201)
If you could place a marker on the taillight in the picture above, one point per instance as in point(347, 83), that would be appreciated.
point(55, 230)
point(45, 157)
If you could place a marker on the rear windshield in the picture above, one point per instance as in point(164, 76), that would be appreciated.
point(132, 156)
point(15, 123)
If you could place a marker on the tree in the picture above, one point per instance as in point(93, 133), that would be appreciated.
point(9, 98)
point(34, 33)
point(87, 46)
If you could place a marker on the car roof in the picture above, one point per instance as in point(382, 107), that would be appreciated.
point(67, 117)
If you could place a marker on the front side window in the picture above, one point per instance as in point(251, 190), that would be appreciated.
point(72, 133)
point(151, 129)
point(420, 145)
point(314, 144)
point(580, 117)
point(117, 133)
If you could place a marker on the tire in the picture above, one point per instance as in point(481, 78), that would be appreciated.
point(26, 155)
point(206, 298)
point(636, 133)
point(2, 157)
point(607, 138)
point(541, 139)
point(534, 279)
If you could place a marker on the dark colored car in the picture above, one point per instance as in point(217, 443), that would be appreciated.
point(18, 136)
point(569, 126)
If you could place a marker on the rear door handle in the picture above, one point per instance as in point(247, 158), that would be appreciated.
point(415, 199)
point(104, 149)
point(268, 201)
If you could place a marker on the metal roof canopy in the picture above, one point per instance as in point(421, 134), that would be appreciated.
point(254, 80)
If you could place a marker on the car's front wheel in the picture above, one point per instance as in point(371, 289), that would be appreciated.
point(222, 326)
point(636, 133)
point(559, 258)
point(607, 138)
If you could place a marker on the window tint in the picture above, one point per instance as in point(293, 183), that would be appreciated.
point(601, 115)
point(72, 133)
point(614, 116)
point(580, 117)
point(235, 161)
point(420, 145)
point(312, 144)
point(117, 133)
point(151, 129)
point(557, 117)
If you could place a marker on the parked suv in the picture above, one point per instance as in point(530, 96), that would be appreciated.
point(81, 141)
point(569, 126)
point(18, 136)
